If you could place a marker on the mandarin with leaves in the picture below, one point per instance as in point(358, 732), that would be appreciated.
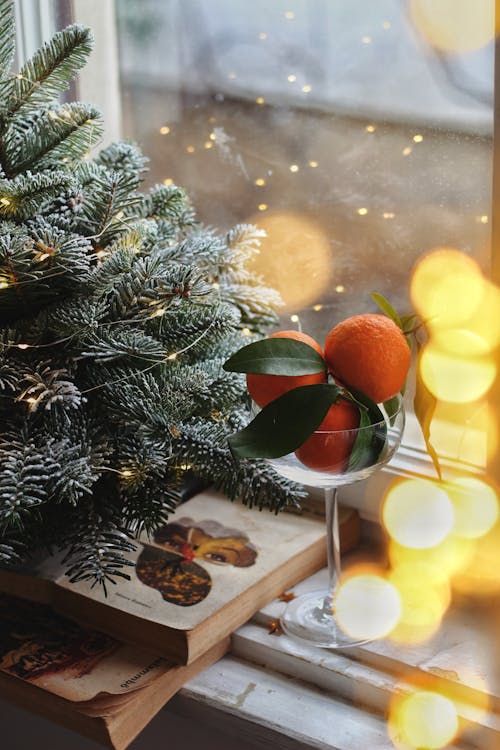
point(370, 353)
point(329, 447)
point(266, 388)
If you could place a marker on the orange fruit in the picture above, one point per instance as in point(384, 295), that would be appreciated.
point(369, 353)
point(328, 449)
point(266, 388)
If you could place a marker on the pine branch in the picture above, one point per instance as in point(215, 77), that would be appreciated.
point(50, 137)
point(22, 197)
point(123, 157)
point(24, 474)
point(7, 37)
point(48, 73)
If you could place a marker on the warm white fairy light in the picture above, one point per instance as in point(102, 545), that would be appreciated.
point(294, 167)
point(164, 130)
point(307, 88)
point(5, 201)
point(370, 128)
point(291, 78)
point(388, 215)
point(212, 136)
point(260, 181)
point(168, 181)
point(340, 288)
point(42, 256)
point(172, 356)
point(31, 402)
point(23, 346)
point(262, 206)
point(216, 285)
point(366, 40)
point(190, 149)
point(484, 219)
point(407, 151)
point(418, 138)
point(4, 284)
point(126, 473)
point(317, 308)
point(362, 211)
point(158, 313)
point(208, 144)
point(260, 100)
point(246, 332)
point(294, 318)
point(101, 253)
point(313, 164)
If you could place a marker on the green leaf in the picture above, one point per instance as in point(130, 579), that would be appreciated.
point(276, 357)
point(284, 424)
point(424, 405)
point(371, 438)
point(386, 308)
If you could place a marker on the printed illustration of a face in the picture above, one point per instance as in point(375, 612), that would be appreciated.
point(171, 569)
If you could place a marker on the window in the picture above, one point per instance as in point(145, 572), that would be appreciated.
point(358, 135)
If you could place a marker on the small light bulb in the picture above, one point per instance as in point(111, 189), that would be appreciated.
point(292, 78)
point(294, 168)
point(168, 181)
point(294, 318)
point(339, 288)
point(23, 346)
point(165, 130)
point(418, 138)
point(31, 401)
point(190, 149)
point(126, 473)
point(262, 206)
point(4, 284)
point(313, 164)
point(388, 215)
point(172, 356)
point(5, 201)
point(260, 181)
point(260, 100)
point(483, 219)
point(366, 40)
point(208, 144)
point(307, 88)
point(370, 128)
point(246, 332)
point(317, 308)
point(407, 151)
point(362, 211)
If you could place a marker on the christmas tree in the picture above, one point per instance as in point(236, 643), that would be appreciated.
point(117, 311)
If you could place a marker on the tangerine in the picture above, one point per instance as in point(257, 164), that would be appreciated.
point(328, 449)
point(369, 353)
point(266, 388)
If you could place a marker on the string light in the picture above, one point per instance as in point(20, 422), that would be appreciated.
point(292, 78)
point(366, 40)
point(5, 201)
point(4, 284)
point(418, 138)
point(172, 356)
point(313, 164)
point(262, 206)
point(126, 473)
point(190, 149)
point(294, 318)
point(158, 313)
point(388, 215)
point(208, 144)
point(307, 88)
point(246, 332)
point(370, 128)
point(101, 253)
point(212, 136)
point(294, 168)
point(168, 181)
point(165, 130)
point(260, 100)
point(23, 346)
point(362, 211)
point(31, 402)
point(260, 181)
point(339, 288)
point(317, 308)
point(483, 219)
point(407, 151)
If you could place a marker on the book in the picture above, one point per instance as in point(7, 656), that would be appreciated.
point(83, 679)
point(201, 576)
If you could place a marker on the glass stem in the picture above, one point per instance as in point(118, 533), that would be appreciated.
point(333, 544)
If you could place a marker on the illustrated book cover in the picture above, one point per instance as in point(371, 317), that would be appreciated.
point(84, 679)
point(201, 576)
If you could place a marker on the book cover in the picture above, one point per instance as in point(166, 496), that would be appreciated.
point(200, 577)
point(84, 679)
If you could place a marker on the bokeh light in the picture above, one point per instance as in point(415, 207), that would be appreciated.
point(453, 378)
point(417, 513)
point(480, 577)
point(423, 719)
point(295, 248)
point(425, 596)
point(447, 559)
point(475, 505)
point(367, 606)
point(447, 288)
point(455, 25)
point(465, 432)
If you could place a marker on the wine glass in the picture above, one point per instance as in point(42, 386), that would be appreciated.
point(311, 617)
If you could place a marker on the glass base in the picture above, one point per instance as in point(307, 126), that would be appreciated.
point(308, 618)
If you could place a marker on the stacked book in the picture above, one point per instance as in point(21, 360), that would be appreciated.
point(104, 666)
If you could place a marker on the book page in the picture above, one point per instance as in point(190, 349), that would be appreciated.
point(210, 551)
point(54, 653)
